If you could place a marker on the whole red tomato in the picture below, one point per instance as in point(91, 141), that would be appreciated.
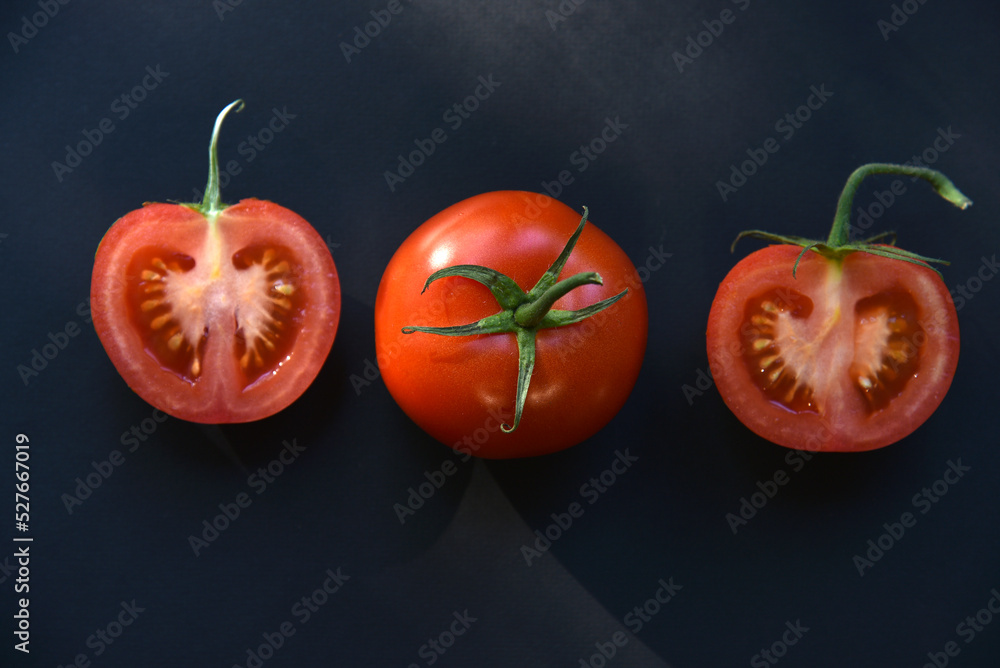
point(836, 345)
point(215, 313)
point(486, 350)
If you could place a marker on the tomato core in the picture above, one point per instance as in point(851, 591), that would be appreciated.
point(260, 292)
point(783, 352)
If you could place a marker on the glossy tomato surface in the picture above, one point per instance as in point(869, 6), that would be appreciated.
point(847, 356)
point(216, 322)
point(460, 389)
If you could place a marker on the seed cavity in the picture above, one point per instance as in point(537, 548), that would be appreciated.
point(269, 299)
point(153, 276)
point(887, 342)
point(173, 302)
point(776, 358)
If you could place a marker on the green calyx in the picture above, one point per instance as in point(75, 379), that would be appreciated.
point(211, 205)
point(838, 245)
point(523, 313)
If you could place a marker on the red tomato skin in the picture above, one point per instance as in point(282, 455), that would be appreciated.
point(217, 396)
point(846, 427)
point(459, 389)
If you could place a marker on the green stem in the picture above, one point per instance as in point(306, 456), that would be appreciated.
point(212, 204)
point(525, 367)
point(841, 221)
point(523, 314)
point(530, 314)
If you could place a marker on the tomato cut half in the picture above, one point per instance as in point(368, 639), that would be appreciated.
point(216, 313)
point(850, 354)
point(216, 320)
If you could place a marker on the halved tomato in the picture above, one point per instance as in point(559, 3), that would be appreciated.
point(848, 355)
point(835, 345)
point(216, 313)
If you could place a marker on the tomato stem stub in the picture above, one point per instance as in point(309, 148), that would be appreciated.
point(838, 245)
point(523, 313)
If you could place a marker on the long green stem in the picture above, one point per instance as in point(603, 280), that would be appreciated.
point(212, 204)
point(842, 220)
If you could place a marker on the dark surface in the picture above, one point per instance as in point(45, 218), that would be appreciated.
point(653, 188)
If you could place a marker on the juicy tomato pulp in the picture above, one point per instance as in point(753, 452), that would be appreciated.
point(461, 389)
point(848, 356)
point(223, 322)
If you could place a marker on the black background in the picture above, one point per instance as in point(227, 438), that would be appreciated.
point(653, 188)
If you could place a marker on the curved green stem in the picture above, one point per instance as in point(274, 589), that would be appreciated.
point(525, 367)
point(212, 204)
point(551, 275)
point(507, 293)
point(842, 220)
point(560, 318)
point(838, 245)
